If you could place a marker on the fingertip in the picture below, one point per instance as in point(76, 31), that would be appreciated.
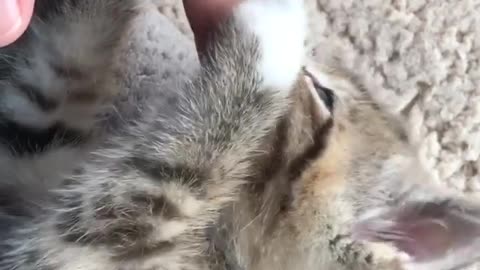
point(205, 15)
point(16, 16)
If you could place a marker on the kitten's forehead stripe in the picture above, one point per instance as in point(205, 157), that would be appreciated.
point(320, 138)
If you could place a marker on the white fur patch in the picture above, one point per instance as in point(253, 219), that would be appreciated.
point(281, 27)
point(167, 230)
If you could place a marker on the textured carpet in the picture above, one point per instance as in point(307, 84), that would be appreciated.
point(419, 57)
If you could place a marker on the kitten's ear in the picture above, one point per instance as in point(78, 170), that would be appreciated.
point(432, 233)
point(322, 98)
point(312, 107)
point(306, 127)
point(311, 101)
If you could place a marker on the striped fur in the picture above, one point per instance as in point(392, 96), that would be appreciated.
point(145, 196)
point(257, 164)
point(56, 86)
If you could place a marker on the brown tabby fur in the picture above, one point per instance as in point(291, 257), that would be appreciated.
point(264, 161)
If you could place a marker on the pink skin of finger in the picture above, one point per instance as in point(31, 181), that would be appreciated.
point(15, 15)
point(205, 15)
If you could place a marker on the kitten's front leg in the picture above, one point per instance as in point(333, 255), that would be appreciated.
point(145, 199)
point(57, 80)
point(56, 89)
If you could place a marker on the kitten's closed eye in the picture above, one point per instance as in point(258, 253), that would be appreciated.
point(325, 94)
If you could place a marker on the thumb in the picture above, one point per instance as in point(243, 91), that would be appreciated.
point(15, 16)
point(205, 15)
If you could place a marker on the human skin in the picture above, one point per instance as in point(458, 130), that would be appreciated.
point(203, 15)
point(15, 15)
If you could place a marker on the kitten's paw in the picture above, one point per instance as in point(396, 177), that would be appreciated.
point(48, 90)
point(62, 71)
point(281, 28)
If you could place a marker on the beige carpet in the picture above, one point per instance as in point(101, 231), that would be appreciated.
point(420, 58)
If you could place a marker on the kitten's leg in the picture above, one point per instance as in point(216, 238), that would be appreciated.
point(55, 80)
point(56, 83)
point(145, 200)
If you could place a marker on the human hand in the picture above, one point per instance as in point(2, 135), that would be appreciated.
point(15, 16)
point(204, 15)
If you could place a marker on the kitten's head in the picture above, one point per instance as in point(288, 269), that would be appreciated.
point(347, 161)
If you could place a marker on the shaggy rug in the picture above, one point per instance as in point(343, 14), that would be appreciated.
point(419, 57)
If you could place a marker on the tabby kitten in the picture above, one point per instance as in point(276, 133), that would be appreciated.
point(258, 164)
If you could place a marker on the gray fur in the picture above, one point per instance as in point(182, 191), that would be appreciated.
point(144, 197)
point(233, 174)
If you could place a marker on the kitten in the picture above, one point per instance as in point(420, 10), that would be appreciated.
point(56, 87)
point(258, 164)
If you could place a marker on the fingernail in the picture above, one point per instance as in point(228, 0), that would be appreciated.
point(10, 19)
